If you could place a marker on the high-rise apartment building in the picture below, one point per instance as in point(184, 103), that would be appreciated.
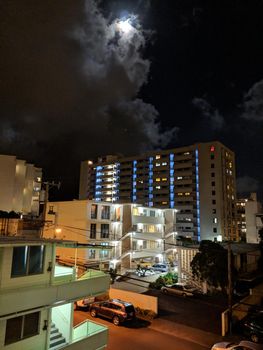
point(20, 185)
point(197, 180)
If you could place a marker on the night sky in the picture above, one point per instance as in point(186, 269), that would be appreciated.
point(74, 85)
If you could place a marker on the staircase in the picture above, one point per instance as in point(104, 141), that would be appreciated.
point(56, 341)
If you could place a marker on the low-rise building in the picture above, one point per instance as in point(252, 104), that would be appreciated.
point(134, 232)
point(20, 186)
point(37, 297)
point(250, 218)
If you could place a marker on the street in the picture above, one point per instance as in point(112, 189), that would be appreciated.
point(141, 338)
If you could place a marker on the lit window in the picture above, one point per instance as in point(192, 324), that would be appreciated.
point(157, 156)
point(164, 179)
point(158, 164)
point(179, 194)
point(215, 220)
point(187, 193)
point(186, 153)
point(164, 202)
point(212, 149)
point(164, 163)
point(179, 177)
point(158, 179)
point(158, 187)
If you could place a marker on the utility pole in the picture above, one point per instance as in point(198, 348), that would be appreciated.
point(48, 185)
point(229, 269)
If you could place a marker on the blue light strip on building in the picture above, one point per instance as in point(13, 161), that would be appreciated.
point(98, 181)
point(150, 184)
point(171, 180)
point(134, 178)
point(197, 194)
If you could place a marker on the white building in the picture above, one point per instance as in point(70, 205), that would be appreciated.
point(37, 297)
point(250, 218)
point(20, 185)
point(134, 232)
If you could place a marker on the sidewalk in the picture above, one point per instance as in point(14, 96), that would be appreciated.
point(188, 333)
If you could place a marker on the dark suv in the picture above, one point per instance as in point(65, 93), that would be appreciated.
point(115, 309)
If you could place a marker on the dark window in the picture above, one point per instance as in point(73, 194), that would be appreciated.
point(92, 253)
point(105, 231)
point(105, 212)
point(215, 230)
point(212, 174)
point(21, 327)
point(94, 209)
point(213, 193)
point(27, 260)
point(214, 211)
point(212, 165)
point(213, 183)
point(212, 156)
point(93, 231)
point(213, 201)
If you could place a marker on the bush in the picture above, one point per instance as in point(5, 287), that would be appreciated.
point(145, 314)
point(168, 279)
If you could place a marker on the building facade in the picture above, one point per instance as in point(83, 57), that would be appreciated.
point(129, 233)
point(198, 180)
point(20, 186)
point(37, 298)
point(249, 218)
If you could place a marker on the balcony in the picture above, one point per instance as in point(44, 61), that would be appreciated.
point(86, 335)
point(63, 286)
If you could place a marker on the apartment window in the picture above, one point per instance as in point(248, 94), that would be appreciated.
point(19, 328)
point(212, 174)
point(144, 244)
point(152, 213)
point(214, 211)
point(27, 260)
point(215, 220)
point(92, 253)
point(105, 231)
point(213, 201)
point(92, 231)
point(104, 254)
point(212, 156)
point(94, 210)
point(105, 212)
point(213, 193)
point(213, 183)
point(215, 230)
point(212, 165)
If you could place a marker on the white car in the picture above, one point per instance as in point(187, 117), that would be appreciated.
point(179, 289)
point(243, 345)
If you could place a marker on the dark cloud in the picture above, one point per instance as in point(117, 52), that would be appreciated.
point(69, 84)
point(247, 184)
point(253, 103)
point(212, 115)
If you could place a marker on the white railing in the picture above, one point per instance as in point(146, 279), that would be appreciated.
point(86, 329)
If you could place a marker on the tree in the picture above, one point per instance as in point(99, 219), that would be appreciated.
point(210, 264)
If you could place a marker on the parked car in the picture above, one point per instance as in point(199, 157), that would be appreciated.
point(160, 267)
point(252, 326)
point(83, 304)
point(179, 289)
point(243, 345)
point(144, 271)
point(114, 309)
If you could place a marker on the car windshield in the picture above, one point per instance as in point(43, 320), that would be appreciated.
point(129, 308)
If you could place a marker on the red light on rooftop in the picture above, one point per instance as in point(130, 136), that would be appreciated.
point(212, 149)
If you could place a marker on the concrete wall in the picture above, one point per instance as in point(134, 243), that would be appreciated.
point(138, 300)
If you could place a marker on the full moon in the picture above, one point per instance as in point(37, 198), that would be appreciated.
point(125, 26)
